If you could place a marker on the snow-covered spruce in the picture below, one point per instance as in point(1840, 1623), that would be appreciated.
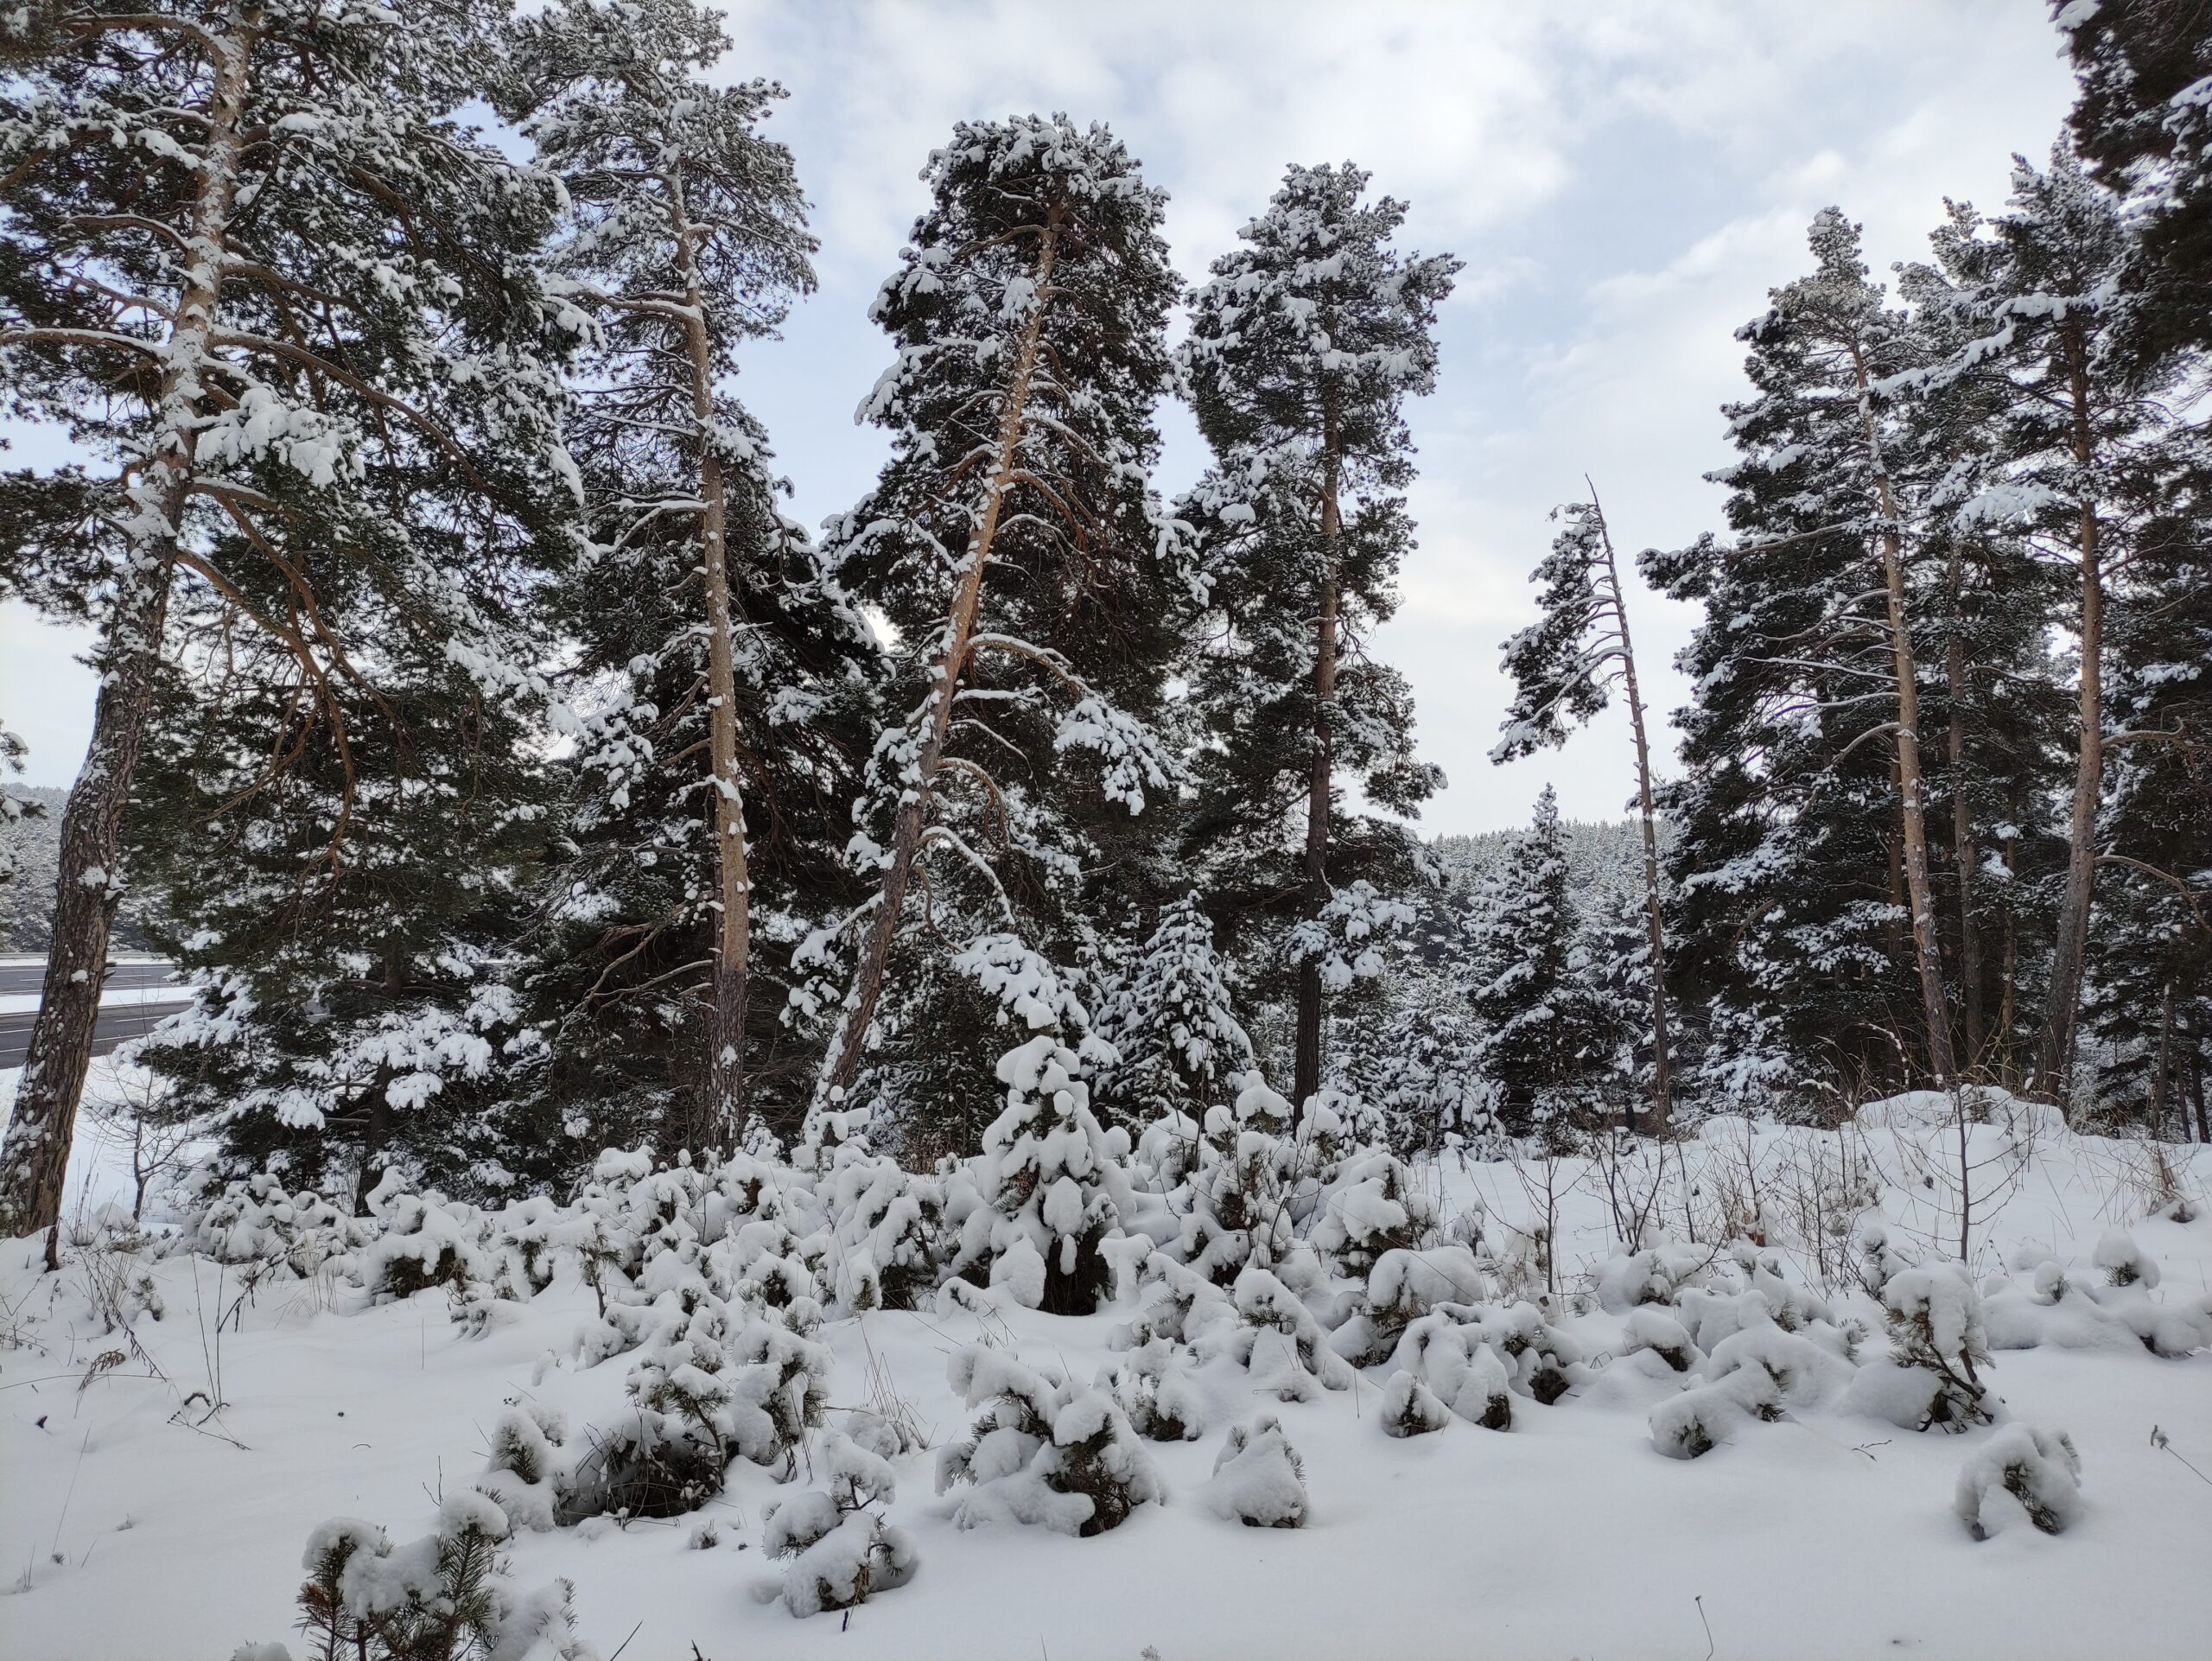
point(1045, 1450)
point(447, 1596)
point(1258, 1479)
point(837, 1552)
point(1050, 1190)
point(1937, 1344)
point(2023, 1470)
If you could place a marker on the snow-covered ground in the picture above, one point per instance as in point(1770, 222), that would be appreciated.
point(135, 1522)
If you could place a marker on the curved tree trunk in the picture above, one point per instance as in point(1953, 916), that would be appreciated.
point(34, 1157)
point(851, 1039)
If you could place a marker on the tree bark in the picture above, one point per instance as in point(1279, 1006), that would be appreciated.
point(1661, 1086)
point(1927, 954)
point(2054, 1052)
point(960, 626)
point(734, 908)
point(34, 1157)
point(1962, 843)
point(1305, 1074)
point(2162, 1067)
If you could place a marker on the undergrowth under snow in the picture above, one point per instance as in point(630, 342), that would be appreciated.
point(1327, 1405)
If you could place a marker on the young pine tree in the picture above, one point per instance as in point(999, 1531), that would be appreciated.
point(254, 266)
point(1013, 545)
point(1563, 668)
point(1174, 1025)
point(736, 673)
point(1541, 1042)
point(1304, 347)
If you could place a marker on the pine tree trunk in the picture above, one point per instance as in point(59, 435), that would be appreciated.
point(1305, 1078)
point(1661, 1063)
point(1971, 973)
point(34, 1156)
point(2054, 1052)
point(1927, 954)
point(2163, 1067)
point(733, 908)
point(960, 625)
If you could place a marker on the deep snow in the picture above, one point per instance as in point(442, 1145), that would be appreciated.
point(131, 1528)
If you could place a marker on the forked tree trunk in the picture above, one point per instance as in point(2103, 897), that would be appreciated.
point(34, 1157)
point(1926, 955)
point(913, 818)
point(733, 888)
point(1662, 1040)
point(1305, 1077)
point(2054, 1052)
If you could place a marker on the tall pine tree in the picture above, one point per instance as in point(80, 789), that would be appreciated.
point(734, 665)
point(254, 265)
point(1304, 346)
point(1013, 545)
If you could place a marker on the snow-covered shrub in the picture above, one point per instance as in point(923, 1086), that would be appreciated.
point(1410, 1408)
point(1699, 1419)
point(1650, 1329)
point(1049, 1185)
point(448, 1595)
point(255, 1221)
point(1374, 1205)
point(1454, 1364)
point(1658, 1274)
point(890, 1225)
point(2124, 1262)
point(1280, 1341)
point(2022, 1471)
point(1161, 1401)
point(528, 1470)
point(1937, 1338)
point(837, 1552)
point(1043, 1451)
point(1401, 1288)
point(1258, 1479)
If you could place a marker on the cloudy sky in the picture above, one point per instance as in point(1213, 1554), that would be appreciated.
point(1623, 181)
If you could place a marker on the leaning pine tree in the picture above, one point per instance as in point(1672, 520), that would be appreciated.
point(1304, 349)
point(734, 665)
point(1013, 543)
point(1563, 668)
point(252, 264)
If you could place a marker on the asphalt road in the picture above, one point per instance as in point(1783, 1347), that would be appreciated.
point(18, 979)
point(117, 1022)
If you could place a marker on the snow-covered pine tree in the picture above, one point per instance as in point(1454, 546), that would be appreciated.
point(1803, 847)
point(1174, 1025)
point(1563, 667)
point(735, 671)
point(14, 808)
point(1013, 543)
point(2077, 427)
point(2150, 982)
point(2143, 123)
point(1305, 346)
point(254, 266)
point(1540, 1039)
